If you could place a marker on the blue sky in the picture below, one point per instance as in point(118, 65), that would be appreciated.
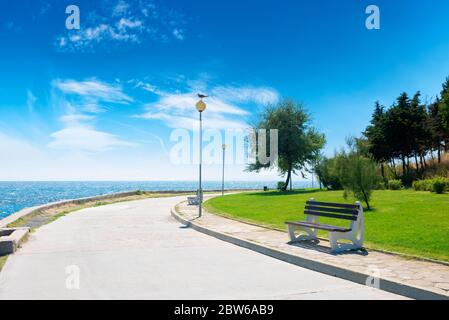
point(100, 103)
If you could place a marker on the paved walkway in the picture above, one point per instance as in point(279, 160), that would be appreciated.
point(433, 277)
point(136, 250)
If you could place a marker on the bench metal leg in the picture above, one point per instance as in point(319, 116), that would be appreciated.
point(339, 247)
point(307, 233)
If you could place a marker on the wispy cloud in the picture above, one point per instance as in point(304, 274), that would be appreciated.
point(93, 90)
point(225, 106)
point(80, 137)
point(263, 95)
point(31, 100)
point(125, 22)
point(81, 101)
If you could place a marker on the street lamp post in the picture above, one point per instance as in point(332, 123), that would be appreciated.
point(201, 106)
point(222, 179)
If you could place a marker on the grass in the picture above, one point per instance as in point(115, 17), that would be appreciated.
point(406, 221)
point(2, 261)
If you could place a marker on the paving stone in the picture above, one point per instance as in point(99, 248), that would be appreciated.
point(424, 274)
point(444, 286)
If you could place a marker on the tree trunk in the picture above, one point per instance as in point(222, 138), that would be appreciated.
point(403, 166)
point(394, 169)
point(382, 170)
point(287, 182)
point(366, 200)
point(416, 163)
point(439, 154)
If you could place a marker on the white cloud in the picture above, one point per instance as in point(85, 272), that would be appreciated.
point(178, 34)
point(75, 119)
point(180, 103)
point(31, 100)
point(131, 22)
point(124, 24)
point(192, 123)
point(94, 89)
point(120, 8)
point(224, 105)
point(86, 138)
point(246, 94)
point(80, 101)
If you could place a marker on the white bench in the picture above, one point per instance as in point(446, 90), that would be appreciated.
point(194, 201)
point(350, 212)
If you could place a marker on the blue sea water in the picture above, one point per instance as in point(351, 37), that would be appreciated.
point(15, 196)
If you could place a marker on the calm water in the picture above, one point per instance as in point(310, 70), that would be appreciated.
point(15, 196)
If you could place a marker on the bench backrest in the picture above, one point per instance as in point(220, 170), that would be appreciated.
point(332, 210)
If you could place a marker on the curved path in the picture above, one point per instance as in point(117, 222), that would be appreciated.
point(135, 250)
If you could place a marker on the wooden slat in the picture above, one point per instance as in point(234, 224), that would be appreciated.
point(332, 204)
point(334, 210)
point(331, 215)
point(320, 226)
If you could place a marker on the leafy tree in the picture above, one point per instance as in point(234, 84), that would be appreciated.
point(444, 112)
point(358, 174)
point(435, 125)
point(378, 145)
point(298, 143)
point(327, 173)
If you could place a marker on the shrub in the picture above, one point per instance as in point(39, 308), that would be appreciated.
point(395, 184)
point(281, 185)
point(381, 185)
point(423, 185)
point(439, 185)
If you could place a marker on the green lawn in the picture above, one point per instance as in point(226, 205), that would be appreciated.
point(415, 223)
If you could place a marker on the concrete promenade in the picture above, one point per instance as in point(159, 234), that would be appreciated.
point(136, 250)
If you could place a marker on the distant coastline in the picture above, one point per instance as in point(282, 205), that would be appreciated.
point(18, 195)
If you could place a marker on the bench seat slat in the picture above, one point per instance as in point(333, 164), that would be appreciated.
point(331, 215)
point(333, 210)
point(320, 226)
point(331, 204)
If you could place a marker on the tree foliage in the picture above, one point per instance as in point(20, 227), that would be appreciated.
point(299, 144)
point(408, 132)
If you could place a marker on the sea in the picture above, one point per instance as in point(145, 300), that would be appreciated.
point(17, 195)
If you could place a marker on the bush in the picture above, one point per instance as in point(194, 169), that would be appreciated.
point(395, 184)
point(381, 185)
point(422, 185)
point(439, 185)
point(281, 185)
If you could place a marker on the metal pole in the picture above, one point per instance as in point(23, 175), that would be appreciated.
point(200, 192)
point(222, 180)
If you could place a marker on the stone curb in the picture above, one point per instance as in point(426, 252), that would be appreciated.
point(326, 268)
point(10, 242)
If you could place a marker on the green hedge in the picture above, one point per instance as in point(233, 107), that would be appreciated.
point(395, 185)
point(438, 185)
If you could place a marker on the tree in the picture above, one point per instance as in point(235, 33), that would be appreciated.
point(444, 113)
point(435, 125)
point(327, 173)
point(376, 134)
point(358, 174)
point(298, 143)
